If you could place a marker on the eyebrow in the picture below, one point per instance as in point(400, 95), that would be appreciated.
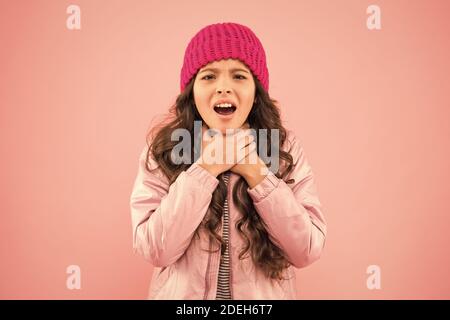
point(217, 70)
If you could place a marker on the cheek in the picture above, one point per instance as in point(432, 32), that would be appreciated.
point(247, 104)
point(246, 108)
point(203, 108)
point(247, 99)
point(201, 99)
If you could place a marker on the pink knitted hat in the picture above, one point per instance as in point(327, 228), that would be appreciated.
point(221, 41)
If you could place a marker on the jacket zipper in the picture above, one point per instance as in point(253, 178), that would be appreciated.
point(229, 232)
point(208, 276)
point(229, 237)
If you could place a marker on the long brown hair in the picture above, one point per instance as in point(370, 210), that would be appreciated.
point(264, 115)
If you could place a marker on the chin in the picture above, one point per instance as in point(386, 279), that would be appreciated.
point(223, 126)
point(223, 129)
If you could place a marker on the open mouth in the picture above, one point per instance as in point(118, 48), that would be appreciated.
point(225, 110)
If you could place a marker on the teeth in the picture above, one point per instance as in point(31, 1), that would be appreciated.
point(224, 105)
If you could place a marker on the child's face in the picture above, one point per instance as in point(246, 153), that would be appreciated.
point(235, 86)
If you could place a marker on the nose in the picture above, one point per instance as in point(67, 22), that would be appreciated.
point(219, 91)
point(223, 85)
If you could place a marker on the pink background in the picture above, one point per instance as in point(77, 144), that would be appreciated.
point(370, 107)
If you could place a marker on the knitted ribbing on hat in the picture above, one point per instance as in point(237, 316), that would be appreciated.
point(222, 41)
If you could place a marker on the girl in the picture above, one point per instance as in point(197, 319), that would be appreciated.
point(225, 229)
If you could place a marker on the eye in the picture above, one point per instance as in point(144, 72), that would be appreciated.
point(209, 75)
point(239, 76)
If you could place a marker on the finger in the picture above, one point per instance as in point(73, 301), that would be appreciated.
point(244, 132)
point(248, 150)
point(240, 132)
point(251, 157)
point(239, 140)
point(251, 147)
point(244, 141)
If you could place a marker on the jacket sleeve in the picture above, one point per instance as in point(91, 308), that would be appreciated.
point(293, 213)
point(164, 218)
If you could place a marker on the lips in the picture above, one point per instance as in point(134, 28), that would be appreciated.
point(224, 107)
point(225, 110)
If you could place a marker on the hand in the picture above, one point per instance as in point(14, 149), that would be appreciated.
point(251, 168)
point(214, 157)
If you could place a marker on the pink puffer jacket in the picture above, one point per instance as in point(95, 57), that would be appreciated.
point(164, 218)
